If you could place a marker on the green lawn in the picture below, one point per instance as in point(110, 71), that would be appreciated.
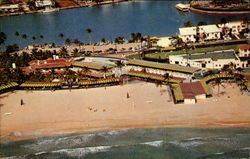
point(247, 71)
point(197, 50)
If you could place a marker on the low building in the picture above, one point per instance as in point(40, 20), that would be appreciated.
point(9, 8)
point(188, 93)
point(209, 32)
point(210, 60)
point(161, 68)
point(244, 51)
point(188, 34)
point(205, 32)
point(44, 3)
point(236, 26)
point(51, 64)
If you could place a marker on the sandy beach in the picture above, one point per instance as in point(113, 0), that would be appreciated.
point(48, 113)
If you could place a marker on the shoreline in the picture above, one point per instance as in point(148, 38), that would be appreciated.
point(63, 8)
point(68, 112)
point(29, 135)
point(219, 12)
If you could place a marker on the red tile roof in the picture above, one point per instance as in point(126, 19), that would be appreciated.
point(244, 47)
point(190, 90)
point(50, 63)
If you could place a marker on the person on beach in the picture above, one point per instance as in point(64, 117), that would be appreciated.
point(22, 103)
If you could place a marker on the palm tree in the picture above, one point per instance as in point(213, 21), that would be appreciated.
point(202, 23)
point(89, 31)
point(79, 75)
point(76, 41)
point(69, 76)
point(104, 69)
point(61, 35)
point(75, 52)
point(41, 36)
point(158, 83)
point(3, 37)
point(217, 82)
point(85, 70)
point(67, 41)
point(63, 52)
point(33, 38)
point(103, 40)
point(119, 64)
point(166, 78)
point(188, 24)
point(24, 36)
point(17, 33)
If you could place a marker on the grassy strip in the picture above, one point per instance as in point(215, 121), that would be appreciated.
point(165, 55)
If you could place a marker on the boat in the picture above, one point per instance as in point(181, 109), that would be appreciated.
point(50, 9)
point(182, 7)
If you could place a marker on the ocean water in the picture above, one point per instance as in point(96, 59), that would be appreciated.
point(150, 17)
point(153, 143)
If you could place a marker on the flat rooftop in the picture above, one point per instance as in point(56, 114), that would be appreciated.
point(163, 66)
point(92, 65)
point(230, 54)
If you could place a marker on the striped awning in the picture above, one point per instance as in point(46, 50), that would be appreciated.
point(40, 84)
point(177, 92)
point(152, 77)
point(100, 81)
point(12, 84)
point(162, 66)
point(212, 77)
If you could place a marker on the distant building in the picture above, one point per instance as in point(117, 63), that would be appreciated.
point(44, 3)
point(9, 8)
point(244, 51)
point(209, 32)
point(206, 32)
point(236, 26)
point(210, 60)
point(188, 34)
point(51, 64)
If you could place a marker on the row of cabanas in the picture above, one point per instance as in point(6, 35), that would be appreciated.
point(8, 86)
point(151, 77)
point(207, 79)
point(213, 77)
point(177, 93)
point(100, 81)
point(48, 85)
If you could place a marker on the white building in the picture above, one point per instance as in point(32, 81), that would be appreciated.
point(9, 8)
point(236, 26)
point(188, 34)
point(44, 3)
point(211, 60)
point(209, 32)
point(244, 51)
